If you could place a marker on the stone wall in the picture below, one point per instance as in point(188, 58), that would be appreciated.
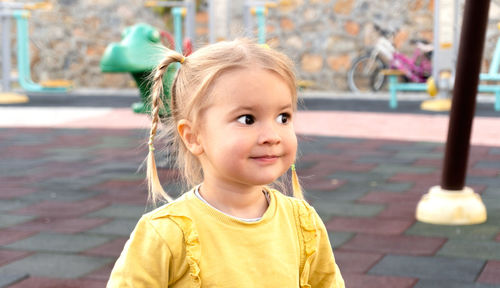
point(321, 36)
point(68, 40)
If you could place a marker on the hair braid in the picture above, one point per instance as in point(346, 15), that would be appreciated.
point(156, 191)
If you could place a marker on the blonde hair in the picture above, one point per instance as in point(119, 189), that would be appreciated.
point(190, 93)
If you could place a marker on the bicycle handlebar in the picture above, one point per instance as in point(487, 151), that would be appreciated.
point(385, 32)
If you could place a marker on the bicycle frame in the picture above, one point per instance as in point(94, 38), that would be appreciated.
point(384, 50)
point(413, 70)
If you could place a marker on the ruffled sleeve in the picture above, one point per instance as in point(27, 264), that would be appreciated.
point(193, 248)
point(145, 260)
point(164, 249)
point(318, 267)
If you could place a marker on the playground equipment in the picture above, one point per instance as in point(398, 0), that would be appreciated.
point(446, 29)
point(139, 53)
point(19, 12)
point(443, 60)
point(452, 203)
point(186, 9)
point(368, 71)
point(259, 9)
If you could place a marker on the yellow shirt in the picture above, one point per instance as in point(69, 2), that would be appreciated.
point(187, 243)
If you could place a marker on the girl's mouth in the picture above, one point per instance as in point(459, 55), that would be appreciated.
point(268, 159)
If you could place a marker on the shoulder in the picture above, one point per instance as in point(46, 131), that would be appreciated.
point(170, 221)
point(299, 205)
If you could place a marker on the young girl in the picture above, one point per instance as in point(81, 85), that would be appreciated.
point(232, 105)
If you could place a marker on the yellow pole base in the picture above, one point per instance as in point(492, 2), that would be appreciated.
point(436, 105)
point(13, 98)
point(447, 207)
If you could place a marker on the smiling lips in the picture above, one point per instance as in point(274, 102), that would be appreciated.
point(267, 159)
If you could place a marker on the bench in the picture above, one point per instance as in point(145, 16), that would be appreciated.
point(394, 86)
point(492, 75)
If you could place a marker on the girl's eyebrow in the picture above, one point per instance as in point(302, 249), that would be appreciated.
point(251, 108)
point(287, 106)
point(240, 108)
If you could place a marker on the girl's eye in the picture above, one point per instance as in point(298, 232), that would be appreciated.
point(246, 119)
point(283, 118)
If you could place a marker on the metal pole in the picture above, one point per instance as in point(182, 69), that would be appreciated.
point(190, 20)
point(211, 21)
point(464, 93)
point(6, 53)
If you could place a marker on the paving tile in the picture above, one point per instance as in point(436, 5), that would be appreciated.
point(424, 283)
point(391, 186)
point(120, 185)
point(419, 155)
point(491, 192)
point(112, 248)
point(469, 232)
point(356, 280)
point(74, 183)
point(62, 209)
point(63, 195)
point(313, 183)
point(491, 273)
point(39, 282)
point(360, 177)
point(7, 279)
point(120, 211)
point(13, 204)
point(345, 193)
point(337, 239)
point(488, 181)
point(118, 227)
point(393, 169)
point(489, 165)
point(487, 250)
point(61, 225)
point(408, 146)
point(327, 210)
point(400, 211)
point(8, 220)
point(101, 274)
point(137, 197)
point(8, 235)
point(436, 268)
point(58, 242)
point(436, 163)
point(483, 172)
point(400, 244)
point(14, 192)
point(383, 160)
point(389, 197)
point(356, 262)
point(7, 256)
point(55, 265)
point(426, 180)
point(374, 225)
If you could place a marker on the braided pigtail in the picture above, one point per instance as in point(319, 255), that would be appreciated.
point(156, 191)
point(296, 188)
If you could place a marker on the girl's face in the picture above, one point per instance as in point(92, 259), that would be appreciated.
point(246, 134)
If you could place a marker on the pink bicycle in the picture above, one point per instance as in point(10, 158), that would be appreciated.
point(366, 74)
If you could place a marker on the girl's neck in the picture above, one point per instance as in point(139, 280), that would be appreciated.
point(240, 201)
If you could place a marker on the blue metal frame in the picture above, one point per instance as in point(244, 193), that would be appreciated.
point(23, 57)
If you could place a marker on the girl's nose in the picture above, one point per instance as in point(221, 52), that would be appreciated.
point(269, 135)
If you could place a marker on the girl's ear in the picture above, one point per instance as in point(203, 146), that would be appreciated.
point(189, 136)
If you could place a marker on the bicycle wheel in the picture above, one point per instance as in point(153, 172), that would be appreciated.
point(364, 74)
